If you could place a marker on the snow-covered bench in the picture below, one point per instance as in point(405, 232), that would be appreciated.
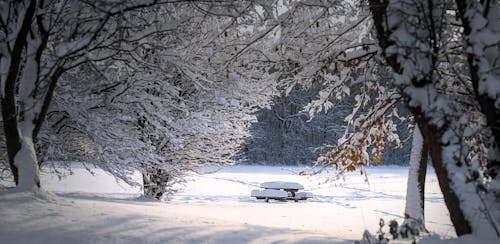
point(281, 190)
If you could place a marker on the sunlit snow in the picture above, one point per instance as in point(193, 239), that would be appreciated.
point(215, 208)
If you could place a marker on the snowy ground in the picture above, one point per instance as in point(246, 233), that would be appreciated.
point(214, 208)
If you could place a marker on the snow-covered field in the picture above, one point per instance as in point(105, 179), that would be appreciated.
point(214, 208)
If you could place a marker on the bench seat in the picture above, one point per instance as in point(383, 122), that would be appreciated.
point(269, 193)
point(279, 195)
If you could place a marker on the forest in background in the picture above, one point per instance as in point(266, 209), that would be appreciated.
point(285, 134)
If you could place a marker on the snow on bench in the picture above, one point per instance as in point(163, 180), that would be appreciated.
point(281, 185)
point(280, 190)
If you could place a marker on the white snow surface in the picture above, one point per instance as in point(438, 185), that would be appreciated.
point(214, 208)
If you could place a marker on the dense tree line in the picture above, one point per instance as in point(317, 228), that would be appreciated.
point(285, 134)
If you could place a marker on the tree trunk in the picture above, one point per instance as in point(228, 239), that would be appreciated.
point(20, 149)
point(21, 152)
point(12, 138)
point(27, 165)
point(414, 209)
point(155, 182)
point(9, 111)
point(432, 138)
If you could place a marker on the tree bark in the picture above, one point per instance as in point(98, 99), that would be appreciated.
point(422, 172)
point(12, 138)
